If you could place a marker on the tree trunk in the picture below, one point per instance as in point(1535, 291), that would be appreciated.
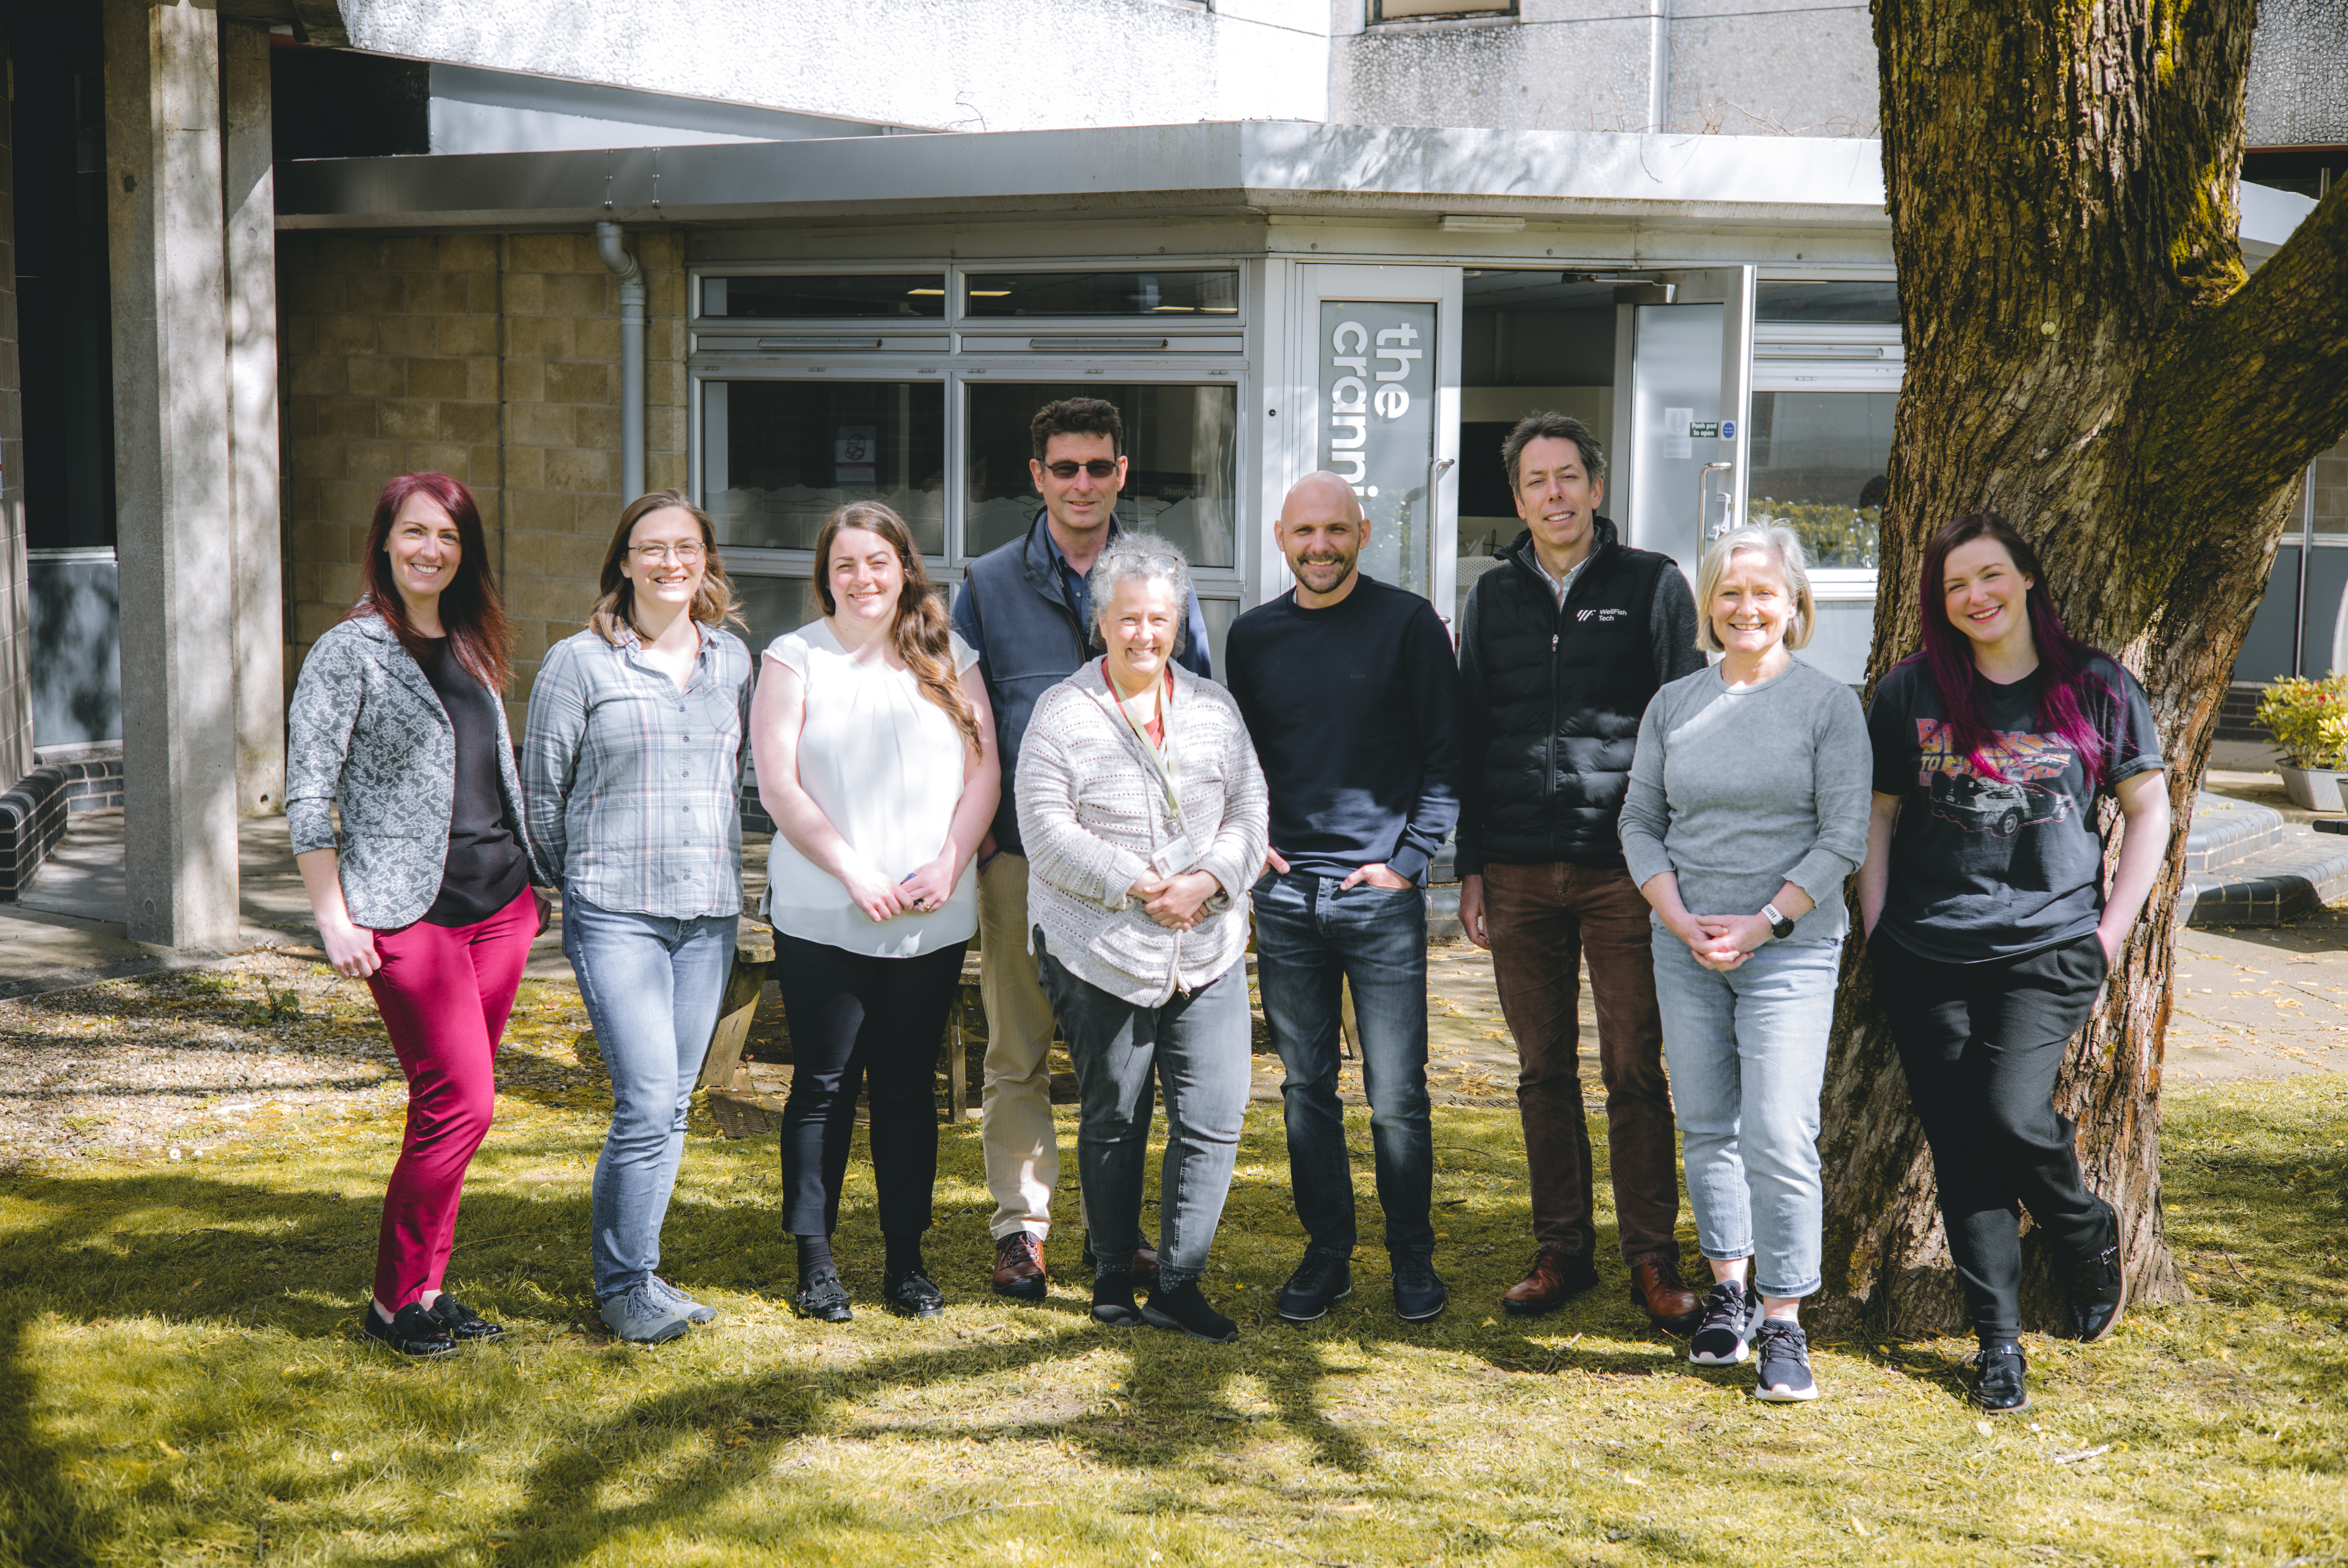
point(2087, 357)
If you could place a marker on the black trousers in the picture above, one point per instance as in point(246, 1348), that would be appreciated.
point(858, 1022)
point(1983, 1044)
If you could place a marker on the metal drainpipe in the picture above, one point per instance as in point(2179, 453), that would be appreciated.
point(609, 243)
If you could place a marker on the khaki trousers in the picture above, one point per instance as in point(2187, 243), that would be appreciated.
point(1015, 1131)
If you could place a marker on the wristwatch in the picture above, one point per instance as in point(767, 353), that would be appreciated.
point(1779, 927)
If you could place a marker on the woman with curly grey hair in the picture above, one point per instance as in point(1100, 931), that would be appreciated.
point(1146, 818)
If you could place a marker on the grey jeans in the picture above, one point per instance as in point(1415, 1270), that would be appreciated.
point(1196, 1047)
point(1748, 1050)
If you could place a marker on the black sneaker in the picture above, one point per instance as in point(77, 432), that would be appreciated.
point(911, 1294)
point(1998, 1374)
point(412, 1332)
point(823, 1297)
point(1320, 1282)
point(1113, 1301)
point(1726, 1332)
point(1418, 1292)
point(1186, 1308)
point(2098, 1290)
point(1783, 1355)
point(459, 1321)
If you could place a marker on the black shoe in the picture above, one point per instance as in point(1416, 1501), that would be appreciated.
point(822, 1295)
point(1113, 1301)
point(911, 1294)
point(2098, 1291)
point(459, 1321)
point(412, 1332)
point(1320, 1282)
point(1185, 1307)
point(1726, 1332)
point(1418, 1292)
point(1997, 1378)
point(1782, 1352)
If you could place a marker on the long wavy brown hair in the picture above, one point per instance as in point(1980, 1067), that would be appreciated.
point(471, 614)
point(923, 637)
point(713, 602)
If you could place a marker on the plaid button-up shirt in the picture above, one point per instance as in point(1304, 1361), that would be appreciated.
point(632, 789)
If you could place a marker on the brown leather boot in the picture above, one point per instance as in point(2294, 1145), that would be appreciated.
point(1019, 1266)
point(1657, 1290)
point(1145, 1266)
point(1556, 1275)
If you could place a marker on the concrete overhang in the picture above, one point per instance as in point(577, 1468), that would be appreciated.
point(1213, 168)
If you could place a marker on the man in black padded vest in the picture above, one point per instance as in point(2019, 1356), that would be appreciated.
point(1561, 645)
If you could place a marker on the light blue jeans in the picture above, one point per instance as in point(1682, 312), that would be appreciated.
point(651, 985)
point(1747, 1052)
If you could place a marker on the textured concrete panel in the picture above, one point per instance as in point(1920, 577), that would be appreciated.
point(2299, 74)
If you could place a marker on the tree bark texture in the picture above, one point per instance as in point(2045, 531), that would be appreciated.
point(2088, 356)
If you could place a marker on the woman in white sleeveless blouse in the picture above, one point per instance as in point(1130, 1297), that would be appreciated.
point(876, 759)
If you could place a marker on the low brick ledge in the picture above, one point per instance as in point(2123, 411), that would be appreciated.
point(35, 812)
point(2300, 875)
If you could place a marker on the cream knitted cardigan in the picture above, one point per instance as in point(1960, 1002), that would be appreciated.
point(1092, 813)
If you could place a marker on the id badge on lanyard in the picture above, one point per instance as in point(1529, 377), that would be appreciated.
point(1176, 854)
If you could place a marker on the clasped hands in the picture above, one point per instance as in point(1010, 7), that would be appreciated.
point(926, 888)
point(1174, 902)
point(1721, 941)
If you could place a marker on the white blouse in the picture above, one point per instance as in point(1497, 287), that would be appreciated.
point(885, 764)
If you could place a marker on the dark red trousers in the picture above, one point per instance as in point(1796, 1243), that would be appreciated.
point(445, 992)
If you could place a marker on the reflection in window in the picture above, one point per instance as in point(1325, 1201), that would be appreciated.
point(1103, 294)
point(1817, 468)
point(851, 296)
point(1782, 299)
point(780, 457)
point(1179, 483)
point(773, 606)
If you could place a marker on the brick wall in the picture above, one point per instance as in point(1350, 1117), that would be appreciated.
point(495, 358)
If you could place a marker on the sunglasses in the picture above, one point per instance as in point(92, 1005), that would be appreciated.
point(1063, 470)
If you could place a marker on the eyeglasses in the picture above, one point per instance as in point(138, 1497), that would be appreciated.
point(1100, 468)
point(687, 553)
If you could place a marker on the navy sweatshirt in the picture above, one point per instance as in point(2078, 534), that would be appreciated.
point(1352, 711)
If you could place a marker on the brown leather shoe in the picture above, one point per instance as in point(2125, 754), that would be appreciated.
point(1145, 1266)
point(1019, 1266)
point(1657, 1290)
point(1556, 1275)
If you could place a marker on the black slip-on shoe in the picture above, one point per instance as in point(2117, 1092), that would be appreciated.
point(822, 1295)
point(412, 1332)
point(912, 1294)
point(459, 1321)
point(1320, 1282)
point(1998, 1374)
point(1113, 1301)
point(2099, 1290)
point(1186, 1309)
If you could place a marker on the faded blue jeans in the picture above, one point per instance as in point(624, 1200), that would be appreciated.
point(1747, 1051)
point(1310, 940)
point(1196, 1047)
point(651, 985)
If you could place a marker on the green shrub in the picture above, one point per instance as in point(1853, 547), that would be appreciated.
point(2308, 719)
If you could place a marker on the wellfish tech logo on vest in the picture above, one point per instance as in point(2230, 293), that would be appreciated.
point(1377, 430)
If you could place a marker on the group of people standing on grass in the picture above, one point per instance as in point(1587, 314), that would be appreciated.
point(1051, 770)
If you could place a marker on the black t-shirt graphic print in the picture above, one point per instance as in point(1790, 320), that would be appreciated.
point(1993, 863)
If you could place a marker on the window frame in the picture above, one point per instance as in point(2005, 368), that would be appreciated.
point(1829, 356)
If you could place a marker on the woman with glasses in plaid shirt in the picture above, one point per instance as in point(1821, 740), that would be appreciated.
point(631, 775)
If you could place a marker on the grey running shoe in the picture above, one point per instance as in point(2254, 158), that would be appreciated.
point(638, 1315)
point(1783, 1353)
point(681, 1303)
point(1728, 1315)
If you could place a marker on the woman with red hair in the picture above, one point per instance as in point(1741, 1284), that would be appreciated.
point(1989, 922)
point(398, 723)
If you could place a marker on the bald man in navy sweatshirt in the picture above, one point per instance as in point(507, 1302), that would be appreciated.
point(1349, 686)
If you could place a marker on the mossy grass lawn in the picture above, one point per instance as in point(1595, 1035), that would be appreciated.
point(184, 1383)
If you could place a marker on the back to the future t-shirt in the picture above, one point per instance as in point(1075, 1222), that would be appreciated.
point(1984, 866)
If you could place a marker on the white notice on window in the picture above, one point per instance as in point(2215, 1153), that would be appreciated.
point(1676, 440)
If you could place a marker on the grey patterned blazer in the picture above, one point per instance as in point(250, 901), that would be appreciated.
point(368, 734)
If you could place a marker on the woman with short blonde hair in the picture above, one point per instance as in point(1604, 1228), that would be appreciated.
point(1747, 811)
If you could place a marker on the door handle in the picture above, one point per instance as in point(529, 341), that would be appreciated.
point(1703, 501)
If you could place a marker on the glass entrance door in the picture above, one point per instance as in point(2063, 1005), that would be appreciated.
point(1684, 350)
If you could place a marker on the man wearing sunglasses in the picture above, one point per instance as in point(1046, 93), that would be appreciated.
point(1026, 608)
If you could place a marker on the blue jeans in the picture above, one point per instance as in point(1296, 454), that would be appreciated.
point(1747, 1051)
point(651, 985)
point(1310, 937)
point(1196, 1045)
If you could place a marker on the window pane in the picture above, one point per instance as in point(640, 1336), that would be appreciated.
point(1104, 293)
point(852, 296)
point(1817, 468)
point(1826, 301)
point(2328, 490)
point(778, 457)
point(1179, 482)
point(773, 606)
point(1395, 10)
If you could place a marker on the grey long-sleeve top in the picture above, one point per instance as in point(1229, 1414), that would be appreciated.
point(1740, 793)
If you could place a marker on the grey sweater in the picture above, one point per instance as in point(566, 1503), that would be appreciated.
point(1740, 793)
